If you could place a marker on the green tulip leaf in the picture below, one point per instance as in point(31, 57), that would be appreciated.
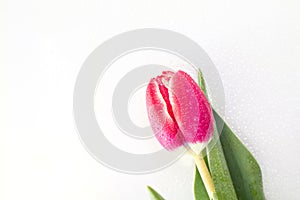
point(154, 195)
point(230, 159)
point(199, 188)
point(219, 170)
point(216, 160)
point(244, 169)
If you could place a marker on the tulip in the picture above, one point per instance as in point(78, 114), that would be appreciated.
point(180, 115)
point(178, 111)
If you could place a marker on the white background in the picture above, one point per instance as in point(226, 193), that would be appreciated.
point(255, 45)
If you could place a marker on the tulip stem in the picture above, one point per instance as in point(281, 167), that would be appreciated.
point(205, 175)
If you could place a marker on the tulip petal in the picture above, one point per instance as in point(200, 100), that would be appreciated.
point(191, 108)
point(160, 113)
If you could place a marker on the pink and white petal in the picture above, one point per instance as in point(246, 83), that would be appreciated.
point(191, 108)
point(162, 123)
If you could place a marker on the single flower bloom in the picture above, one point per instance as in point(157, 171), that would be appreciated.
point(178, 110)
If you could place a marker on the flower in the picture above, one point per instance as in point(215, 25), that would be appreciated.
point(178, 110)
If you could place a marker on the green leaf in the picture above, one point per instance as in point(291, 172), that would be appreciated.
point(216, 160)
point(154, 195)
point(244, 169)
point(199, 188)
point(201, 82)
point(219, 170)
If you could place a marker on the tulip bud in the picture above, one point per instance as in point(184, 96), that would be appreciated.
point(178, 110)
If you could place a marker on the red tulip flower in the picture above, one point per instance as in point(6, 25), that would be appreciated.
point(180, 114)
point(178, 110)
